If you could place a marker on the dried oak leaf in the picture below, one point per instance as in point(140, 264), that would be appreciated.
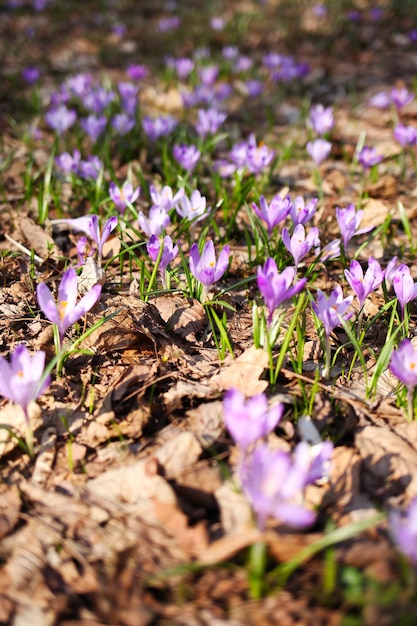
point(390, 463)
point(244, 373)
point(35, 237)
point(184, 316)
point(135, 324)
point(9, 508)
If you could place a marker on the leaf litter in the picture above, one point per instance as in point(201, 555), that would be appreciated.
point(130, 512)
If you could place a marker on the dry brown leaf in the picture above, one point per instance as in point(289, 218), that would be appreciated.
point(36, 237)
point(235, 511)
point(390, 463)
point(9, 508)
point(244, 373)
point(206, 421)
point(184, 316)
point(375, 212)
point(177, 455)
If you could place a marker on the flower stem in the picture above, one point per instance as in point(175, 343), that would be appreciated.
point(410, 404)
point(257, 569)
point(327, 359)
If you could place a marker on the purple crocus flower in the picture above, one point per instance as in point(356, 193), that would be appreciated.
point(169, 23)
point(194, 208)
point(273, 482)
point(187, 156)
point(321, 119)
point(94, 126)
point(183, 67)
point(66, 311)
point(21, 380)
point(123, 195)
point(254, 87)
point(362, 284)
point(319, 150)
point(277, 287)
point(68, 163)
point(204, 267)
point(90, 168)
point(368, 157)
point(208, 74)
point(137, 72)
point(31, 75)
point(400, 97)
point(275, 212)
point(122, 123)
point(404, 530)
point(404, 286)
point(97, 100)
point(248, 420)
point(159, 126)
point(300, 212)
point(403, 364)
point(129, 97)
point(299, 245)
point(380, 100)
point(349, 220)
point(405, 135)
point(165, 199)
point(79, 85)
point(157, 222)
point(169, 252)
point(209, 121)
point(331, 310)
point(89, 225)
point(60, 118)
point(258, 157)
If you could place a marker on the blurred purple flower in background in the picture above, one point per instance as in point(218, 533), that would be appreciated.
point(319, 150)
point(157, 222)
point(123, 195)
point(404, 530)
point(209, 121)
point(349, 220)
point(94, 126)
point(31, 75)
point(158, 126)
point(368, 157)
point(321, 119)
point(301, 212)
point(187, 156)
point(404, 286)
point(60, 118)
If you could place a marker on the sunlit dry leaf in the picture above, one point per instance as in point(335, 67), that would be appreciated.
point(91, 275)
point(36, 237)
point(177, 455)
point(390, 463)
point(244, 373)
point(184, 316)
point(9, 508)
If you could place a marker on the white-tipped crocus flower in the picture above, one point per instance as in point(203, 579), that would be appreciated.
point(66, 311)
point(204, 267)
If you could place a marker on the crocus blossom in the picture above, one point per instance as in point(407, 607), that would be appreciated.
point(349, 220)
point(273, 481)
point(187, 156)
point(403, 364)
point(319, 150)
point(123, 195)
point(165, 199)
point(274, 212)
point(65, 312)
point(321, 119)
point(300, 244)
point(404, 286)
point(404, 530)
point(89, 225)
point(157, 221)
point(204, 267)
point(209, 121)
point(277, 287)
point(300, 211)
point(368, 157)
point(331, 310)
point(22, 380)
point(258, 157)
point(169, 252)
point(194, 208)
point(60, 118)
point(363, 284)
point(250, 419)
